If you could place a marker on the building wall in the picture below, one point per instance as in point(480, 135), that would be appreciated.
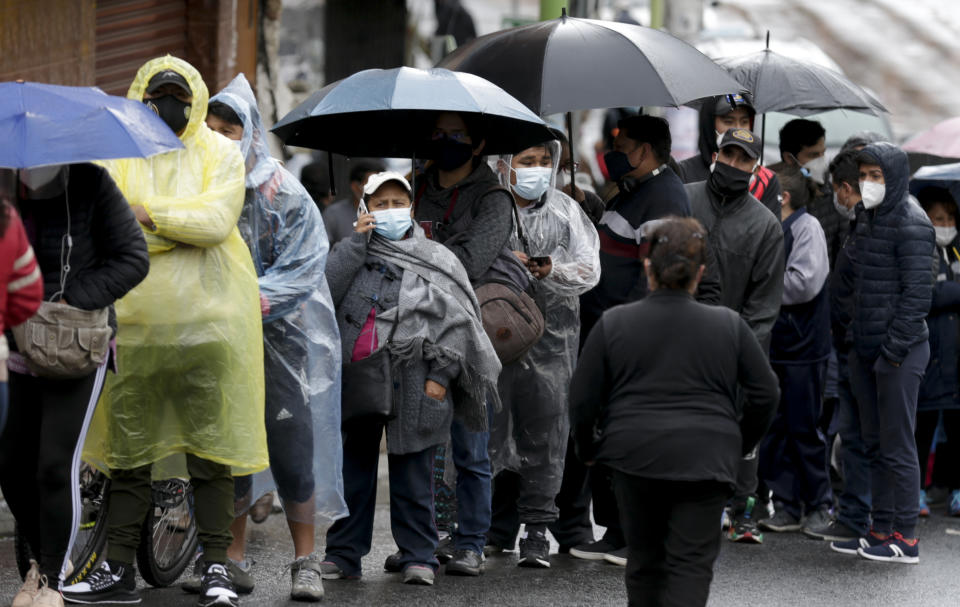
point(47, 41)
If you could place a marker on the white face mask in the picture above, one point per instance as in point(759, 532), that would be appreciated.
point(845, 211)
point(532, 182)
point(817, 169)
point(945, 235)
point(719, 137)
point(872, 193)
point(38, 177)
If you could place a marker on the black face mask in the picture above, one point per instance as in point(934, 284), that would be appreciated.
point(618, 165)
point(171, 110)
point(449, 154)
point(728, 181)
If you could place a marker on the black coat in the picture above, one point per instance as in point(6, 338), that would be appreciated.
point(109, 253)
point(940, 388)
point(655, 390)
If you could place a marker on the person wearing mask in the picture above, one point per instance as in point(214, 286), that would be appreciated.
point(190, 389)
point(793, 455)
point(528, 438)
point(340, 216)
point(654, 397)
point(78, 227)
point(283, 230)
point(459, 203)
point(938, 391)
point(717, 116)
point(393, 288)
point(747, 241)
point(893, 288)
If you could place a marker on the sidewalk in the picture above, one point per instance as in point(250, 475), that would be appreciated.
point(6, 519)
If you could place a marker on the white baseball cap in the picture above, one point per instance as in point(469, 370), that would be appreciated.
point(375, 181)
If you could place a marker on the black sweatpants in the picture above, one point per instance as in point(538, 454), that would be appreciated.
point(40, 459)
point(573, 526)
point(672, 538)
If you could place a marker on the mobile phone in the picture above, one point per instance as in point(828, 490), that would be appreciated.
point(362, 208)
point(540, 261)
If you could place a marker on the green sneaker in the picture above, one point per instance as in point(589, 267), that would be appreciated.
point(744, 529)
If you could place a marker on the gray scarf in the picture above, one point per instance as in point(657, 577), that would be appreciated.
point(440, 318)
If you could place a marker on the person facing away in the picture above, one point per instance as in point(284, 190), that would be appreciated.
point(528, 438)
point(717, 116)
point(893, 267)
point(190, 343)
point(747, 241)
point(338, 218)
point(399, 292)
point(655, 398)
point(284, 232)
point(793, 455)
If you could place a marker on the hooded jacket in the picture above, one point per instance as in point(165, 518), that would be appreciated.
point(747, 242)
point(189, 342)
point(940, 388)
point(765, 186)
point(892, 261)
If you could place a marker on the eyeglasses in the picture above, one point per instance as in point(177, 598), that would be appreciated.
point(566, 166)
point(459, 137)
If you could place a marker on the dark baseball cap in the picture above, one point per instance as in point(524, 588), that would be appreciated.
point(743, 139)
point(168, 77)
point(727, 103)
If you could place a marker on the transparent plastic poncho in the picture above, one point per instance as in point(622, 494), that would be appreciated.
point(189, 339)
point(284, 231)
point(557, 227)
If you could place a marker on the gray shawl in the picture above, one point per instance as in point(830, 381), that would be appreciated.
point(440, 319)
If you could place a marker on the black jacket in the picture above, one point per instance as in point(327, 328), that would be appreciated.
point(940, 388)
point(655, 390)
point(109, 254)
point(893, 266)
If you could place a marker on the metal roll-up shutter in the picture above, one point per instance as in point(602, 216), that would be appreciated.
point(131, 32)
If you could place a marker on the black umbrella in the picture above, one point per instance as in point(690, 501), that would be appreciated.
point(571, 64)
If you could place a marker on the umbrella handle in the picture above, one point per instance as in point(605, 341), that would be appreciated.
point(333, 187)
point(573, 174)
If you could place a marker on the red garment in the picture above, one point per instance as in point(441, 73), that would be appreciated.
point(367, 341)
point(21, 285)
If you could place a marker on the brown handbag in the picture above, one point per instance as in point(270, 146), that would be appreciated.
point(61, 341)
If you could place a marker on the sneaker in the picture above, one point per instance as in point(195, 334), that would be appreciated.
point(191, 585)
point(240, 575)
point(534, 551)
point(853, 546)
point(306, 579)
point(464, 562)
point(105, 586)
point(819, 518)
point(216, 587)
point(392, 564)
point(744, 529)
point(31, 587)
point(924, 508)
point(833, 531)
point(617, 557)
point(418, 575)
point(953, 508)
point(445, 550)
point(332, 571)
point(781, 522)
point(262, 508)
point(593, 551)
point(47, 597)
point(895, 550)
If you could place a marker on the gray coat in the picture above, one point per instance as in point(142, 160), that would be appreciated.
point(358, 282)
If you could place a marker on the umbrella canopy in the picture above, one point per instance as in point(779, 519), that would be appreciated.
point(944, 176)
point(943, 140)
point(390, 113)
point(569, 64)
point(43, 124)
point(781, 84)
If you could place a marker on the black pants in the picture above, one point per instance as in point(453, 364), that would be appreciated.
point(573, 526)
point(672, 537)
point(947, 459)
point(40, 459)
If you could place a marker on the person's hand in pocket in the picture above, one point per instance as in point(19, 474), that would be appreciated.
point(434, 390)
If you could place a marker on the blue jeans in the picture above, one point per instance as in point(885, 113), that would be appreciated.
point(474, 487)
point(854, 499)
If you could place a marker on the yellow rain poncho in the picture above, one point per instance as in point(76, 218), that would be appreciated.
point(189, 342)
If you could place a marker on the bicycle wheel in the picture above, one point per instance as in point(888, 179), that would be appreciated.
point(91, 534)
point(168, 541)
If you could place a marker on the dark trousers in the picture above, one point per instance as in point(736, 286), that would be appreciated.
point(411, 502)
point(672, 537)
point(573, 526)
point(131, 499)
point(854, 500)
point(887, 396)
point(947, 459)
point(40, 459)
point(793, 454)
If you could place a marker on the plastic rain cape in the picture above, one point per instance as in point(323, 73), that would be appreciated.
point(532, 425)
point(189, 342)
point(283, 229)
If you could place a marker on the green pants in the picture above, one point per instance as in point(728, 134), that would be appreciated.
point(130, 501)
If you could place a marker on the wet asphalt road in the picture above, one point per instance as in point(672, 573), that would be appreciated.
point(788, 570)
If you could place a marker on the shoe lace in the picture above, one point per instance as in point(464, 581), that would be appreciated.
point(216, 576)
point(101, 578)
point(306, 569)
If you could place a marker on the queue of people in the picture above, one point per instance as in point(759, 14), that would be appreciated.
point(683, 332)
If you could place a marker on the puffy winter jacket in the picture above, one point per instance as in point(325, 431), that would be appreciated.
point(893, 266)
point(940, 388)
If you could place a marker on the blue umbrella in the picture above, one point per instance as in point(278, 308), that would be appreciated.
point(942, 176)
point(42, 124)
point(390, 113)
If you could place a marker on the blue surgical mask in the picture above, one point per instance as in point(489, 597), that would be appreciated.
point(532, 182)
point(392, 223)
